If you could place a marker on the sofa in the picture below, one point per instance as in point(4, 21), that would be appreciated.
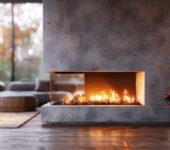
point(41, 89)
point(2, 86)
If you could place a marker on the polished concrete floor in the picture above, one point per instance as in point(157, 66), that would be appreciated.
point(33, 136)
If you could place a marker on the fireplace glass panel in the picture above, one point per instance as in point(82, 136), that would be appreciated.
point(97, 88)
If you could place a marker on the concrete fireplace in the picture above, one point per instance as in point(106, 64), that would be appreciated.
point(98, 37)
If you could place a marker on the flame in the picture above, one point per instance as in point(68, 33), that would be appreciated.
point(105, 97)
point(112, 97)
point(128, 99)
point(102, 97)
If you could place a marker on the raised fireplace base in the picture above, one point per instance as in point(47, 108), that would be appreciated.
point(104, 114)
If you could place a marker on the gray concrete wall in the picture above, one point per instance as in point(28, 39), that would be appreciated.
point(115, 35)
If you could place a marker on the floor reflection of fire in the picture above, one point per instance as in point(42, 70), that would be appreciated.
point(109, 97)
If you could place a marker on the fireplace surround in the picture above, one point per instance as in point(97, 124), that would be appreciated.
point(95, 37)
point(67, 110)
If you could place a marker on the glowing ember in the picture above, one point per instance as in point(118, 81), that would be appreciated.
point(105, 97)
point(109, 97)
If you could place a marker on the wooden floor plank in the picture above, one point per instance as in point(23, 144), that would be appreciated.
point(34, 136)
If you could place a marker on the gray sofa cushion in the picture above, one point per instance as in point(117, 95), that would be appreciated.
point(68, 87)
point(43, 97)
point(21, 86)
point(41, 89)
point(80, 86)
point(42, 85)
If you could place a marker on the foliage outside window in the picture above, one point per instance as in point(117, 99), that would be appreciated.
point(5, 47)
point(27, 39)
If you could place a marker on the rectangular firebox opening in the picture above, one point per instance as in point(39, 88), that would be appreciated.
point(98, 88)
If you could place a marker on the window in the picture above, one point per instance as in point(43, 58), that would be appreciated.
point(5, 46)
point(27, 39)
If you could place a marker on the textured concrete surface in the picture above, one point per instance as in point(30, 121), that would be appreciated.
point(110, 35)
point(94, 114)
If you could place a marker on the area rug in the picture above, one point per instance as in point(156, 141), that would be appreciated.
point(15, 120)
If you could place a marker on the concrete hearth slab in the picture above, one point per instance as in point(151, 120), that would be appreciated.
point(104, 114)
